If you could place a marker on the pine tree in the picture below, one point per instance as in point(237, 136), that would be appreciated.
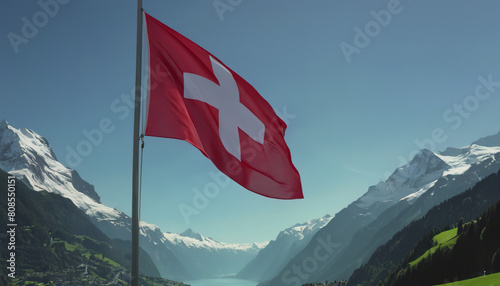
point(460, 226)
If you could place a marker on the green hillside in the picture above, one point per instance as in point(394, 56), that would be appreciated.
point(444, 240)
point(51, 242)
point(415, 239)
point(488, 280)
point(461, 253)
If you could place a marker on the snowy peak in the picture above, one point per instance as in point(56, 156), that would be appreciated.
point(425, 162)
point(489, 141)
point(302, 230)
point(190, 233)
point(20, 146)
point(28, 156)
point(191, 239)
point(412, 180)
point(288, 243)
point(476, 152)
point(205, 257)
point(461, 159)
point(427, 180)
point(415, 177)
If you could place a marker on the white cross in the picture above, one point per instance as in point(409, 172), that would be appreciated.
point(226, 98)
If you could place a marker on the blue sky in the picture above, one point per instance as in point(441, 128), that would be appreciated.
point(353, 115)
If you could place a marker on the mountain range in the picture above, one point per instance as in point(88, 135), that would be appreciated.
point(328, 248)
point(185, 256)
point(413, 240)
point(53, 240)
point(278, 252)
point(413, 189)
point(28, 156)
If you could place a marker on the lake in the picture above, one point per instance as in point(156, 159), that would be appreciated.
point(221, 282)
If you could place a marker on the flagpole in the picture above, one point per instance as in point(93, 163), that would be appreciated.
point(134, 280)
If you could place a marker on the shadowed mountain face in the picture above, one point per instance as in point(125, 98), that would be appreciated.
point(413, 240)
point(277, 253)
point(54, 236)
point(331, 253)
point(28, 156)
point(356, 231)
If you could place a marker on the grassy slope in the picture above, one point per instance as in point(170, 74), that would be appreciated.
point(462, 256)
point(445, 239)
point(54, 239)
point(488, 280)
point(400, 250)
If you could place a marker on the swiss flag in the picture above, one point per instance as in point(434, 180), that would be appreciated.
point(196, 98)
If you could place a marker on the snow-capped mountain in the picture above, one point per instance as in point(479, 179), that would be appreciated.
point(203, 257)
point(355, 232)
point(195, 240)
point(28, 156)
point(198, 251)
point(413, 178)
point(278, 252)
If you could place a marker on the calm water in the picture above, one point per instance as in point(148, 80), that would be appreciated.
point(221, 282)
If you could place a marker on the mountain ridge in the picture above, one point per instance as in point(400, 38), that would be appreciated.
point(411, 189)
point(28, 156)
point(288, 243)
point(389, 262)
point(54, 238)
point(428, 179)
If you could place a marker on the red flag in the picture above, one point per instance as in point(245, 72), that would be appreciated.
point(196, 98)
